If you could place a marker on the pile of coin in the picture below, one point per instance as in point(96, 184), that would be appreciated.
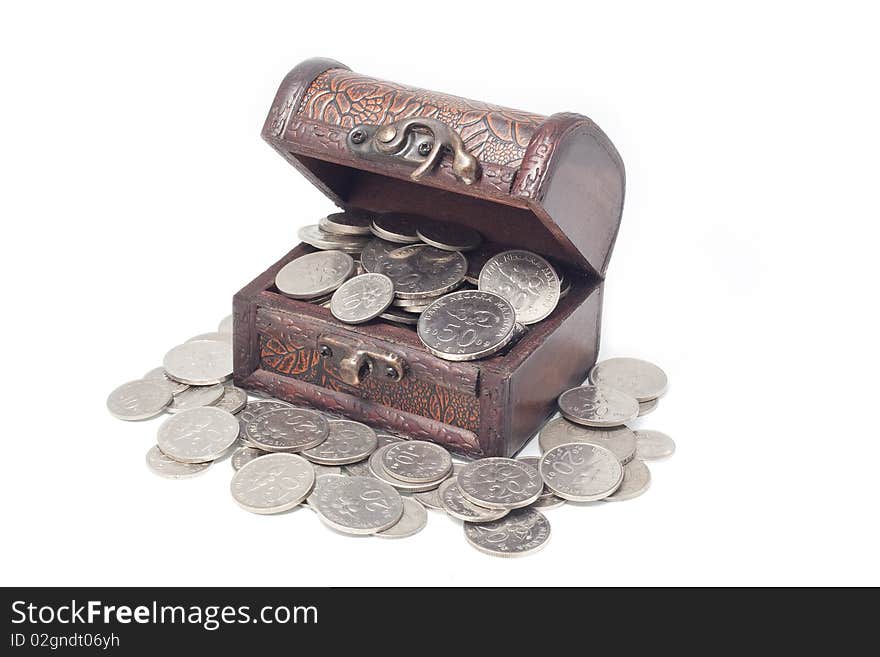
point(417, 271)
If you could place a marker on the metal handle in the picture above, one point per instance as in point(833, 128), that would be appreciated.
point(354, 362)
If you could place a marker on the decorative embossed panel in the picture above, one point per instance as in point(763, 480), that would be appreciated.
point(283, 356)
point(495, 135)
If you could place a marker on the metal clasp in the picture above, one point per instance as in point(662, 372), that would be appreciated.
point(418, 141)
point(354, 362)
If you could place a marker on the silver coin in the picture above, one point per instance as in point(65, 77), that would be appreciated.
point(417, 462)
point(244, 455)
point(253, 409)
point(549, 502)
point(314, 274)
point(353, 222)
point(356, 505)
point(467, 325)
point(373, 253)
point(273, 483)
point(196, 397)
point(399, 316)
point(648, 407)
point(198, 435)
point(200, 363)
point(213, 335)
point(167, 467)
point(413, 520)
point(347, 442)
point(314, 236)
point(597, 407)
point(397, 227)
point(500, 483)
point(526, 280)
point(639, 379)
point(226, 325)
point(359, 469)
point(324, 470)
point(233, 399)
point(430, 499)
point(478, 258)
point(376, 470)
point(546, 500)
point(362, 298)
point(448, 236)
point(287, 430)
point(457, 506)
point(158, 374)
point(386, 438)
point(636, 480)
point(521, 532)
point(139, 400)
point(559, 431)
point(581, 472)
point(410, 306)
point(653, 445)
point(419, 271)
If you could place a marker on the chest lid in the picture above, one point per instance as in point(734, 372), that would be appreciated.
point(554, 185)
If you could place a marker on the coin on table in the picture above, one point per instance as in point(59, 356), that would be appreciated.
point(400, 316)
point(158, 374)
point(636, 480)
point(139, 400)
point(467, 325)
point(417, 461)
point(413, 520)
point(200, 362)
point(581, 472)
point(559, 431)
point(324, 470)
point(547, 500)
point(244, 455)
point(639, 379)
point(359, 469)
point(397, 227)
point(648, 406)
point(376, 470)
point(593, 406)
point(314, 236)
point(273, 483)
point(356, 505)
point(167, 467)
point(653, 445)
point(456, 505)
point(526, 280)
point(255, 408)
point(430, 499)
point(233, 399)
point(347, 442)
point(212, 335)
point(352, 222)
point(500, 483)
point(521, 532)
point(196, 397)
point(314, 274)
point(287, 430)
point(448, 236)
point(373, 253)
point(419, 271)
point(226, 325)
point(198, 435)
point(362, 298)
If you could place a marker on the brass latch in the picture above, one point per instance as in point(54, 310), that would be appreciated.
point(354, 362)
point(418, 141)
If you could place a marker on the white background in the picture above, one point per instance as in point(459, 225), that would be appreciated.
point(137, 197)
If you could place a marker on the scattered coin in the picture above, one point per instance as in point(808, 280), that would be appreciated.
point(167, 467)
point(226, 325)
point(158, 374)
point(356, 505)
point(397, 227)
point(255, 408)
point(653, 445)
point(287, 430)
point(448, 236)
point(373, 253)
point(201, 362)
point(455, 504)
point(419, 271)
point(386, 438)
point(597, 407)
point(314, 236)
point(430, 499)
point(198, 435)
point(521, 532)
point(273, 483)
point(244, 455)
point(547, 500)
point(400, 316)
point(636, 480)
point(353, 222)
point(413, 520)
point(639, 379)
point(559, 431)
point(233, 399)
point(581, 472)
point(359, 469)
point(648, 407)
point(139, 400)
point(324, 470)
point(478, 258)
point(347, 442)
point(377, 471)
point(500, 483)
point(196, 397)
point(314, 274)
point(467, 325)
point(417, 461)
point(362, 298)
point(526, 280)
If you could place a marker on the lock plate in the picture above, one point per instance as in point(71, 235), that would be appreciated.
point(354, 361)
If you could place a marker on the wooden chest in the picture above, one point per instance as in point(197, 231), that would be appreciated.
point(553, 185)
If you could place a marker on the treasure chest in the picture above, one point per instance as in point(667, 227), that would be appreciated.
point(552, 185)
